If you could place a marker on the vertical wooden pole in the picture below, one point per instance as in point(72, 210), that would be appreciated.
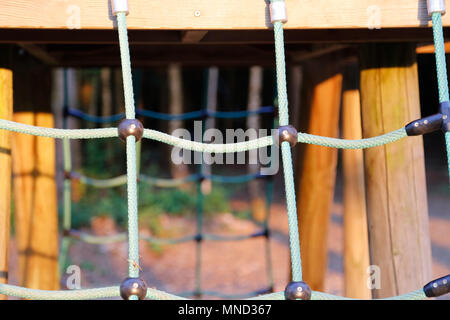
point(6, 106)
point(211, 106)
point(318, 169)
point(175, 78)
point(395, 173)
point(356, 239)
point(258, 202)
point(35, 195)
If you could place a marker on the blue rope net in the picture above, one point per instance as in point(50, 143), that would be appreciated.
point(440, 286)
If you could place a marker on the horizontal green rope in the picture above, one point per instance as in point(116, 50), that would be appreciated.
point(58, 133)
point(122, 180)
point(217, 294)
point(353, 144)
point(207, 147)
point(26, 293)
point(160, 182)
point(122, 237)
point(203, 147)
point(316, 295)
point(153, 294)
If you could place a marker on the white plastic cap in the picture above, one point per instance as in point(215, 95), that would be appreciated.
point(436, 6)
point(119, 6)
point(278, 12)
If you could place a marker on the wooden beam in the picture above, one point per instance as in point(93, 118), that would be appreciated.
point(39, 53)
point(192, 36)
point(316, 178)
point(429, 48)
point(261, 36)
point(207, 14)
point(395, 173)
point(36, 215)
point(356, 239)
point(6, 106)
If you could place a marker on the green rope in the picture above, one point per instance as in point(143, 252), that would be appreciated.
point(283, 110)
point(113, 292)
point(441, 70)
point(199, 146)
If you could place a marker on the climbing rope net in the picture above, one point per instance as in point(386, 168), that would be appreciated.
point(200, 236)
point(130, 130)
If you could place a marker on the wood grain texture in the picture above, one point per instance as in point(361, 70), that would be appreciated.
point(395, 173)
point(36, 205)
point(6, 106)
point(207, 14)
point(356, 239)
point(35, 197)
point(316, 178)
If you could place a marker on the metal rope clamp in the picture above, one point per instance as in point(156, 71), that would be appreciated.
point(431, 123)
point(435, 6)
point(278, 12)
point(119, 6)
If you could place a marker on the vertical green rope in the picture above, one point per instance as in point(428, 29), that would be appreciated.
point(126, 66)
point(133, 233)
point(441, 69)
point(441, 65)
point(286, 153)
point(133, 228)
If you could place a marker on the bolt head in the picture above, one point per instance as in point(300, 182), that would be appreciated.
point(297, 290)
point(286, 133)
point(133, 287)
point(130, 127)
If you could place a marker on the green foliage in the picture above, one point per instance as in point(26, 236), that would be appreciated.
point(216, 201)
point(109, 202)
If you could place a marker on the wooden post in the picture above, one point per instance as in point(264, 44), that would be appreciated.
point(258, 202)
point(6, 106)
point(211, 106)
point(35, 195)
point(175, 78)
point(395, 173)
point(318, 170)
point(356, 239)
